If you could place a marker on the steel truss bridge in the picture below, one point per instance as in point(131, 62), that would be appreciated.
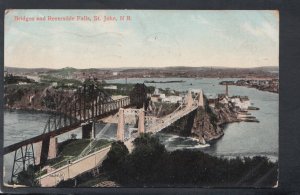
point(71, 110)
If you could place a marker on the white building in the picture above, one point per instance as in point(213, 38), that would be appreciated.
point(172, 99)
point(54, 84)
point(162, 96)
point(22, 83)
point(242, 104)
point(114, 87)
point(156, 91)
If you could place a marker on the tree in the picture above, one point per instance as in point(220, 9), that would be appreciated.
point(145, 159)
point(115, 157)
point(27, 177)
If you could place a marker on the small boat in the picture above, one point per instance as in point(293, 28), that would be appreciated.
point(253, 108)
point(251, 120)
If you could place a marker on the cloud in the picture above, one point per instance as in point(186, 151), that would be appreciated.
point(199, 19)
point(265, 29)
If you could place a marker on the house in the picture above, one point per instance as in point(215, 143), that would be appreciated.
point(241, 102)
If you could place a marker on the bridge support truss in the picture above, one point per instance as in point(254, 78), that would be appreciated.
point(24, 156)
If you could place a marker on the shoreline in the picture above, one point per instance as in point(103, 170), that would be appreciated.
point(202, 77)
point(269, 85)
point(258, 89)
point(32, 110)
point(180, 81)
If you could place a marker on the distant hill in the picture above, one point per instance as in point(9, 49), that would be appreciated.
point(135, 69)
point(268, 68)
point(16, 70)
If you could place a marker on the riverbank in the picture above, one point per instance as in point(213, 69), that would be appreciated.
point(29, 110)
point(177, 81)
point(270, 85)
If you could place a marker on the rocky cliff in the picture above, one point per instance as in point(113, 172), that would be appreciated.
point(31, 97)
point(206, 123)
point(24, 97)
point(209, 122)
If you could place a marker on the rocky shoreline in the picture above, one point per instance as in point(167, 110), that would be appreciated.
point(209, 124)
point(206, 124)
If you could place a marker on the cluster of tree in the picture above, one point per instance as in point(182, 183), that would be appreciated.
point(168, 92)
point(14, 93)
point(27, 177)
point(12, 79)
point(150, 164)
point(62, 83)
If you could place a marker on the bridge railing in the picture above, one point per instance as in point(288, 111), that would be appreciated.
point(63, 119)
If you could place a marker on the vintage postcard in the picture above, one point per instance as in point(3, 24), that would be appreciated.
point(141, 98)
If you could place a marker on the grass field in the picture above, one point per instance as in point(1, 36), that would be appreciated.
point(71, 150)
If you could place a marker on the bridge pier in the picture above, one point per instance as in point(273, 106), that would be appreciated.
point(52, 148)
point(121, 124)
point(38, 152)
point(48, 149)
point(88, 131)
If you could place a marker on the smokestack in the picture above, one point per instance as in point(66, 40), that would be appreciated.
point(226, 93)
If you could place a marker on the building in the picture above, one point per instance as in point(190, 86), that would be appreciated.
point(242, 102)
point(113, 87)
point(54, 84)
point(172, 99)
point(155, 98)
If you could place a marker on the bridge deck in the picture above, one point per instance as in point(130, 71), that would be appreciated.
point(54, 133)
point(165, 121)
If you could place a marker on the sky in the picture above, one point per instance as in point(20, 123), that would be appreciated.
point(151, 38)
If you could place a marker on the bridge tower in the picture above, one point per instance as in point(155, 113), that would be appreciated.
point(201, 99)
point(121, 124)
point(141, 125)
point(189, 99)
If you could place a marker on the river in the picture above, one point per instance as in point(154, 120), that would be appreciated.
point(240, 139)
